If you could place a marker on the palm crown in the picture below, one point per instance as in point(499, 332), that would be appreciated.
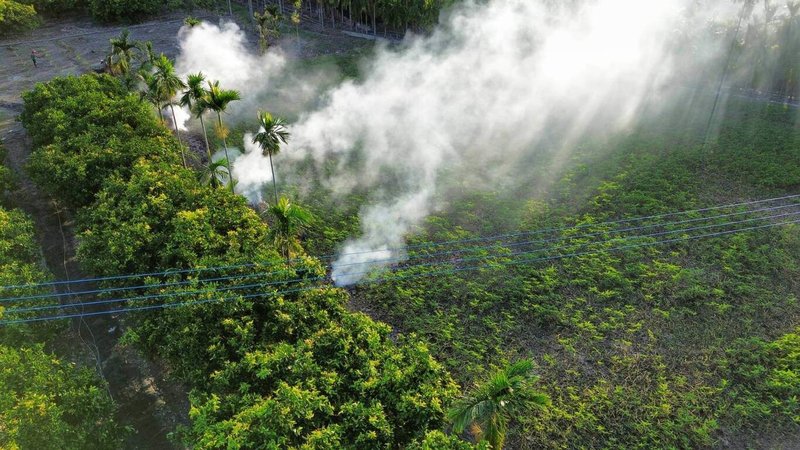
point(273, 133)
point(490, 408)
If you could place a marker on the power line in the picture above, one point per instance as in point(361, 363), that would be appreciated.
point(399, 259)
point(425, 245)
point(518, 260)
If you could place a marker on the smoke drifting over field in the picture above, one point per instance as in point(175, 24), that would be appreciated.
point(486, 86)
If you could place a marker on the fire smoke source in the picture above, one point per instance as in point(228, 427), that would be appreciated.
point(482, 91)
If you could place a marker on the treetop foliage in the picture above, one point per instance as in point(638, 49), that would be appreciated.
point(290, 370)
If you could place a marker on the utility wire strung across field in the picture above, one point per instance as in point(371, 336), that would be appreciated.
point(499, 244)
point(430, 260)
point(510, 262)
point(330, 257)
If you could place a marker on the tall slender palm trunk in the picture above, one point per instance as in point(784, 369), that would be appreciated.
point(178, 134)
point(205, 136)
point(227, 158)
point(274, 186)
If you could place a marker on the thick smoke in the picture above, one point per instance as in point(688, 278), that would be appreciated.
point(490, 82)
point(485, 90)
point(223, 53)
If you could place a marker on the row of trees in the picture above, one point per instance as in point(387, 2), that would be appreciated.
point(21, 15)
point(266, 368)
point(159, 84)
point(769, 47)
point(45, 401)
point(491, 408)
point(360, 15)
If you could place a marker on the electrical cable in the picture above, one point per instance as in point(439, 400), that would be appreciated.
point(329, 256)
point(396, 278)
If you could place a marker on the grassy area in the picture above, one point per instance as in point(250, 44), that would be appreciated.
point(640, 348)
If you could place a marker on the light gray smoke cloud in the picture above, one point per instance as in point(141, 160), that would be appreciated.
point(490, 81)
point(223, 53)
point(483, 90)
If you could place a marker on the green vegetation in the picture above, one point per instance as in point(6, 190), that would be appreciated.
point(16, 17)
point(335, 376)
point(123, 10)
point(637, 348)
point(503, 396)
point(672, 346)
point(45, 402)
point(48, 404)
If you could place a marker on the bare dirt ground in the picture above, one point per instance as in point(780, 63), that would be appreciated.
point(150, 403)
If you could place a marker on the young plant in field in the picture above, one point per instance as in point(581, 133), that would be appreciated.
point(123, 51)
point(267, 25)
point(494, 402)
point(289, 221)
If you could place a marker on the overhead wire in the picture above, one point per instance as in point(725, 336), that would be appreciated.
point(401, 260)
point(395, 278)
point(328, 257)
point(412, 256)
point(482, 258)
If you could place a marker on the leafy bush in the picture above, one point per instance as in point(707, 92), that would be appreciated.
point(16, 17)
point(88, 128)
point(49, 404)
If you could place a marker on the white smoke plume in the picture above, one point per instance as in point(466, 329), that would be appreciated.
point(251, 171)
point(488, 87)
point(182, 116)
point(223, 53)
point(489, 83)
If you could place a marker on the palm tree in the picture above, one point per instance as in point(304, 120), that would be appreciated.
point(191, 99)
point(289, 221)
point(492, 405)
point(147, 56)
point(270, 137)
point(215, 173)
point(217, 100)
point(267, 25)
point(151, 92)
point(168, 84)
point(122, 53)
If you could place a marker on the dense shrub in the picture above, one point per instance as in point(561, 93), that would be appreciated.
point(49, 7)
point(16, 17)
point(275, 358)
point(88, 128)
point(48, 404)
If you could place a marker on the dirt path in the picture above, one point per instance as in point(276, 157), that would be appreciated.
point(73, 47)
